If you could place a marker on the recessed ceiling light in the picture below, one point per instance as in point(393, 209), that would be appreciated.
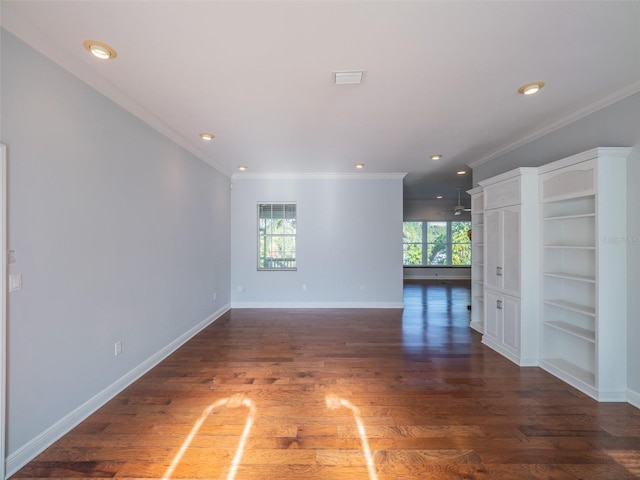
point(100, 50)
point(436, 156)
point(348, 78)
point(242, 168)
point(439, 197)
point(531, 88)
point(359, 165)
point(207, 136)
point(461, 172)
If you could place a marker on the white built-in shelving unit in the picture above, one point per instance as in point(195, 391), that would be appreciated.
point(583, 271)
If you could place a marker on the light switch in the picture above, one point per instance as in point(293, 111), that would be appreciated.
point(15, 282)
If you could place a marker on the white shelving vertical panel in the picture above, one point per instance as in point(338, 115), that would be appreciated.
point(477, 260)
point(611, 270)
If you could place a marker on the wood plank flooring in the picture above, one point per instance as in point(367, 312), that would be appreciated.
point(315, 394)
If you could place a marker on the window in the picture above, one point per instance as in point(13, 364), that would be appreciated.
point(276, 236)
point(436, 243)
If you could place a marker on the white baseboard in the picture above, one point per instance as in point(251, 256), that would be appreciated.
point(633, 398)
point(437, 277)
point(37, 445)
point(293, 305)
point(477, 326)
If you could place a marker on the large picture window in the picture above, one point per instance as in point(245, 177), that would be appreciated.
point(277, 236)
point(444, 243)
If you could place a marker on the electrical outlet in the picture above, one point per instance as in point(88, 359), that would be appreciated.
point(215, 295)
point(118, 348)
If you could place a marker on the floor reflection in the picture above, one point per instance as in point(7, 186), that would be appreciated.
point(436, 315)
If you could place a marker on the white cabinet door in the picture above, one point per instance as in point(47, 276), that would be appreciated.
point(511, 323)
point(493, 249)
point(511, 250)
point(493, 317)
point(502, 246)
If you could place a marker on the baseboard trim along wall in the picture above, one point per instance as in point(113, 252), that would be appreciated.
point(633, 398)
point(294, 305)
point(37, 445)
point(437, 277)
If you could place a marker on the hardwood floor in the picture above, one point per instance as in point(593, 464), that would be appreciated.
point(314, 394)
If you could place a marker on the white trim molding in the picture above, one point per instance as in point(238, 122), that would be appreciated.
point(633, 398)
point(561, 122)
point(304, 305)
point(13, 22)
point(318, 176)
point(30, 450)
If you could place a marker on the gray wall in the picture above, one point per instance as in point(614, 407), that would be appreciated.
point(617, 125)
point(119, 235)
point(348, 243)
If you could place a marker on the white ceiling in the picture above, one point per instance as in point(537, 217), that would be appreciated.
point(441, 77)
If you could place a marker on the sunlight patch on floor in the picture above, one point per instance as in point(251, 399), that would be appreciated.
point(629, 459)
point(232, 402)
point(333, 403)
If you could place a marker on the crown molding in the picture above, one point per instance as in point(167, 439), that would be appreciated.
point(562, 122)
point(15, 24)
point(317, 176)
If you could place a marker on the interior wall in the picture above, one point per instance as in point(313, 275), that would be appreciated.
point(348, 243)
point(617, 125)
point(119, 235)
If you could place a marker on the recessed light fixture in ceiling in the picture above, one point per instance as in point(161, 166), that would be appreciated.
point(100, 50)
point(439, 197)
point(461, 172)
point(348, 78)
point(242, 168)
point(436, 156)
point(531, 88)
point(359, 165)
point(207, 136)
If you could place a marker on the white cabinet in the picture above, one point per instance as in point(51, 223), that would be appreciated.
point(477, 259)
point(511, 254)
point(583, 307)
point(503, 249)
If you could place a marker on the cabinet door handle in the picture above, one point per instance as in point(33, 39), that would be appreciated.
point(499, 304)
point(499, 271)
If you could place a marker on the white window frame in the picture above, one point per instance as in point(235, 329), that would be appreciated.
point(424, 245)
point(287, 263)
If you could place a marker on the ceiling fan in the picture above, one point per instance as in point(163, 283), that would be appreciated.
point(459, 208)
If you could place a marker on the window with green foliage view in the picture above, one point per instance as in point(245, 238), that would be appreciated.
point(277, 236)
point(436, 243)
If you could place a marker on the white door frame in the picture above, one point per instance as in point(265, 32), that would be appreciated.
point(3, 307)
